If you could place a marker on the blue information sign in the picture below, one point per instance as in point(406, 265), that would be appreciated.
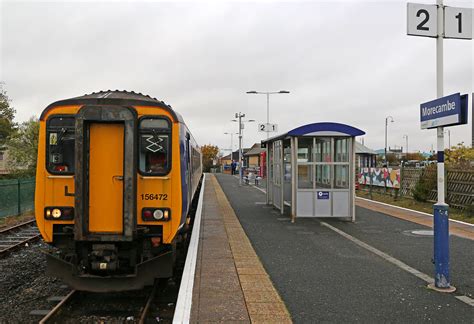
point(323, 194)
point(446, 111)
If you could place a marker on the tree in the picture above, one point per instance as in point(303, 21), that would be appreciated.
point(392, 159)
point(460, 156)
point(7, 113)
point(415, 156)
point(209, 153)
point(23, 148)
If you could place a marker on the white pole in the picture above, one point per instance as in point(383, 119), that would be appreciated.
point(407, 145)
point(439, 93)
point(385, 151)
point(440, 209)
point(268, 115)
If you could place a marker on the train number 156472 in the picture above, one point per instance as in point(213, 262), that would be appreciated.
point(154, 196)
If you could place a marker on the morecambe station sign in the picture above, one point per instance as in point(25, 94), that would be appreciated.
point(446, 111)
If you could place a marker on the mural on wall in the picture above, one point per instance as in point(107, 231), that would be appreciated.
point(379, 175)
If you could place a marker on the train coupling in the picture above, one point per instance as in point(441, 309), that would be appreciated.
point(104, 257)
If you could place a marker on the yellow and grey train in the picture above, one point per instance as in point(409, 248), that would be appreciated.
point(116, 174)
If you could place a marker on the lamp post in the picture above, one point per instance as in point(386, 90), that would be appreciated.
point(406, 137)
point(449, 138)
point(238, 119)
point(231, 142)
point(386, 124)
point(268, 93)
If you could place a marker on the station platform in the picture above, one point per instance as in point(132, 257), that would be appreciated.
point(230, 283)
point(254, 265)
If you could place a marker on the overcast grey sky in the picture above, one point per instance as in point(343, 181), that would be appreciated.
point(348, 62)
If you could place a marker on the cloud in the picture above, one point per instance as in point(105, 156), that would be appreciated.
point(349, 62)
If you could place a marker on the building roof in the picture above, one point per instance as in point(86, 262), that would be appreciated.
point(362, 149)
point(320, 129)
point(235, 155)
point(256, 149)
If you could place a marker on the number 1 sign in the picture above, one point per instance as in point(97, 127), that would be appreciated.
point(457, 23)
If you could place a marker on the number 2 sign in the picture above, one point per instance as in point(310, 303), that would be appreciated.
point(423, 21)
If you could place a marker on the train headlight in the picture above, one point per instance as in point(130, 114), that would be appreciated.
point(59, 213)
point(158, 214)
point(56, 213)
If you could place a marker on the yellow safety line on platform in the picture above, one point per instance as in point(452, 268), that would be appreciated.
point(263, 302)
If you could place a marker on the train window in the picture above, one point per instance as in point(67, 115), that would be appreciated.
point(60, 140)
point(155, 153)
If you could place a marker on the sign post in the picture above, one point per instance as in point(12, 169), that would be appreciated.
point(440, 22)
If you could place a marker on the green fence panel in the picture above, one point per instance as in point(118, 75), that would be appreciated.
point(16, 196)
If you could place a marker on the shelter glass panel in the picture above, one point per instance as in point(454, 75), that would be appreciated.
point(341, 177)
point(323, 151)
point(305, 149)
point(305, 176)
point(287, 163)
point(341, 149)
point(323, 176)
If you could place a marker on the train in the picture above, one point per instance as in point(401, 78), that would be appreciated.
point(117, 172)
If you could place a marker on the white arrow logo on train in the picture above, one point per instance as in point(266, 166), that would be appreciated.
point(154, 146)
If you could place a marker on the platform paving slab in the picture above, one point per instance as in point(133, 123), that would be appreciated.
point(231, 284)
point(323, 277)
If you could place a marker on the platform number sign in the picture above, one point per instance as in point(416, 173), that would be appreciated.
point(422, 20)
point(457, 23)
point(267, 128)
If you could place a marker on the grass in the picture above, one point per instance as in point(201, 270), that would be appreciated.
point(12, 220)
point(409, 203)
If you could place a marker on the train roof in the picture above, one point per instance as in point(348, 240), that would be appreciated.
point(114, 97)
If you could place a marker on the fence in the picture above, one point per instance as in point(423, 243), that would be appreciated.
point(459, 189)
point(16, 196)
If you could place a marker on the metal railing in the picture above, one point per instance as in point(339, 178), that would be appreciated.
point(17, 196)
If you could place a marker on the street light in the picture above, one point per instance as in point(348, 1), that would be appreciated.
point(386, 124)
point(406, 137)
point(449, 138)
point(231, 143)
point(268, 93)
point(239, 117)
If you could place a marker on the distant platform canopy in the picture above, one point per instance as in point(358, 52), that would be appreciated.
point(320, 129)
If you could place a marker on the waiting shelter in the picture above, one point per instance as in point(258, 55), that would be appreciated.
point(311, 169)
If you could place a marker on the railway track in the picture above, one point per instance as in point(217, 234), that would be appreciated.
point(75, 299)
point(17, 236)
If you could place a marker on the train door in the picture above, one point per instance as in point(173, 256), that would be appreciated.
point(106, 177)
point(106, 174)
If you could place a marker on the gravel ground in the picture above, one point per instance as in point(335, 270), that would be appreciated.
point(24, 286)
point(122, 307)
